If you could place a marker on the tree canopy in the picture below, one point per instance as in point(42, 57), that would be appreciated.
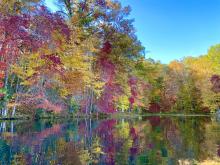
point(86, 58)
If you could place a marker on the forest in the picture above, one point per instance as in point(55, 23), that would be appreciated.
point(86, 59)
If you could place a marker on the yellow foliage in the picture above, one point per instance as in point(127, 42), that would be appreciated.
point(123, 130)
point(123, 102)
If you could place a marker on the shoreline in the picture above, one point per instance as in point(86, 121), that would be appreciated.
point(105, 116)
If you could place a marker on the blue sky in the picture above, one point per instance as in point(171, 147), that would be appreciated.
point(172, 29)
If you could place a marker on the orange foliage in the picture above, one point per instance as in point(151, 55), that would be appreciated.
point(176, 66)
point(2, 75)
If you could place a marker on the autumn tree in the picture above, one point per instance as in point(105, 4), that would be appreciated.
point(118, 46)
point(31, 36)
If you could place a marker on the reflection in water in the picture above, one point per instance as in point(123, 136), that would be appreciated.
point(150, 141)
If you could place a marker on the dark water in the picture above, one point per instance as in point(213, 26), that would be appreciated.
point(150, 141)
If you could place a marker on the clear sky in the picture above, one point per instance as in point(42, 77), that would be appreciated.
point(172, 29)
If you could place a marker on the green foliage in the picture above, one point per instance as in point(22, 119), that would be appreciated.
point(73, 106)
point(189, 98)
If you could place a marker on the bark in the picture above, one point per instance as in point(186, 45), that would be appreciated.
point(86, 95)
point(16, 99)
point(91, 102)
point(12, 127)
point(3, 127)
point(5, 108)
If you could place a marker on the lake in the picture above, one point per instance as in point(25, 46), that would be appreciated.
point(143, 141)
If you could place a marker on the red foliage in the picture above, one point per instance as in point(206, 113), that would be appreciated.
point(108, 69)
point(111, 89)
point(16, 36)
point(46, 23)
point(215, 80)
point(134, 91)
point(154, 107)
point(133, 133)
point(133, 83)
point(107, 47)
point(49, 106)
point(1, 84)
point(218, 151)
point(54, 64)
point(53, 58)
point(39, 98)
point(106, 102)
point(2, 65)
point(131, 100)
point(29, 32)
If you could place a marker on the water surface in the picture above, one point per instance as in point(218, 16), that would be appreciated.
point(144, 141)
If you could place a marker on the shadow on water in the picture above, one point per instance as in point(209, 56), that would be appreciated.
point(149, 140)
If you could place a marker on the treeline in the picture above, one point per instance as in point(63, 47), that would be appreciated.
point(86, 58)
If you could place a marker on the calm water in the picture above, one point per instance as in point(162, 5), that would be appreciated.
point(150, 141)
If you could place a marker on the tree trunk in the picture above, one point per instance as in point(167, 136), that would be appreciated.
point(86, 95)
point(12, 127)
point(3, 127)
point(16, 99)
point(5, 108)
point(91, 102)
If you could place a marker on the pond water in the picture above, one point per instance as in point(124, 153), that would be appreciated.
point(143, 141)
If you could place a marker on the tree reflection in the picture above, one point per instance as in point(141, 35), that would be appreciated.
point(152, 140)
